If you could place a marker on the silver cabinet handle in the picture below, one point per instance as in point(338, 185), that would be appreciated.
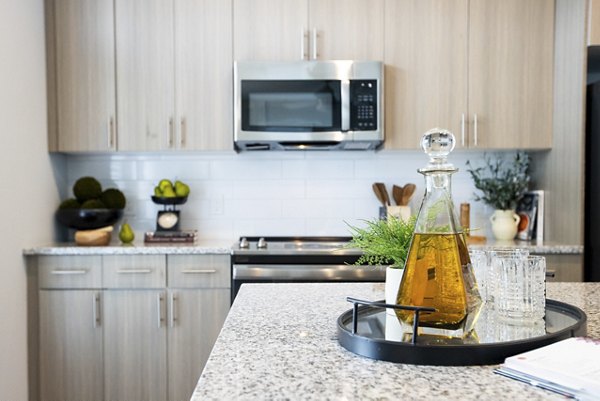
point(67, 272)
point(111, 132)
point(475, 129)
point(303, 37)
point(462, 129)
point(183, 130)
point(172, 311)
point(314, 44)
point(170, 133)
point(198, 271)
point(345, 94)
point(159, 304)
point(96, 310)
point(134, 271)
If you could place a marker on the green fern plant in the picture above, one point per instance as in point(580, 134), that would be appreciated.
point(502, 185)
point(383, 242)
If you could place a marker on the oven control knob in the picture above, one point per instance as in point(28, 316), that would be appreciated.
point(262, 243)
point(244, 244)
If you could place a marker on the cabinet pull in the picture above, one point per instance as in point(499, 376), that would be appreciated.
point(550, 273)
point(198, 271)
point(69, 271)
point(111, 132)
point(134, 271)
point(314, 44)
point(96, 309)
point(172, 312)
point(183, 127)
point(303, 37)
point(159, 303)
point(475, 129)
point(170, 134)
point(462, 129)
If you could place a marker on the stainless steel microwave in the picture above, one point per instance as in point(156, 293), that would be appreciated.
point(308, 105)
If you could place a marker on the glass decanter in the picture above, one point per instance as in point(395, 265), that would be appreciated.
point(438, 272)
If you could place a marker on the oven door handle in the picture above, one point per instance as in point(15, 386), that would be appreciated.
point(345, 106)
point(305, 272)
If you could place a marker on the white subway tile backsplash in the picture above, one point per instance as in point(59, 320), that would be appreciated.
point(270, 193)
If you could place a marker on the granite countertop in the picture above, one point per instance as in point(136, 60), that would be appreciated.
point(225, 247)
point(280, 342)
point(137, 248)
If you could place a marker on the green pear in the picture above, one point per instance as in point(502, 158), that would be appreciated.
point(164, 183)
point(168, 192)
point(181, 189)
point(157, 192)
point(126, 234)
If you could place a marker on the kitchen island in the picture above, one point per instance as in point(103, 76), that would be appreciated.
point(280, 342)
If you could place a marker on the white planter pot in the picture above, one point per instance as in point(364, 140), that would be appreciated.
point(505, 224)
point(393, 278)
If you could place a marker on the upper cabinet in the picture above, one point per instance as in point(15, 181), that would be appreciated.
point(204, 75)
point(143, 76)
point(594, 23)
point(481, 68)
point(85, 75)
point(308, 29)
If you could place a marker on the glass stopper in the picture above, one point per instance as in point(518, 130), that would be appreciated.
point(437, 143)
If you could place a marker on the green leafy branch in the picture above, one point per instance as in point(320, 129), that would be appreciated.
point(501, 186)
point(383, 242)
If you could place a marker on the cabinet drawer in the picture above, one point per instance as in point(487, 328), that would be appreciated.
point(199, 271)
point(134, 271)
point(70, 271)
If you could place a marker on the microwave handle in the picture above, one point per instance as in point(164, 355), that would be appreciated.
point(345, 96)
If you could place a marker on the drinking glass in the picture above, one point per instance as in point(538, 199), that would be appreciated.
point(490, 276)
point(479, 262)
point(520, 288)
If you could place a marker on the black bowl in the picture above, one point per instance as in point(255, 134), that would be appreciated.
point(88, 219)
point(175, 200)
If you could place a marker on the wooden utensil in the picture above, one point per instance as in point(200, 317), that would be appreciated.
point(381, 193)
point(407, 193)
point(397, 194)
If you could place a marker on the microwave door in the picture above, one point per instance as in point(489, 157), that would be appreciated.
point(292, 110)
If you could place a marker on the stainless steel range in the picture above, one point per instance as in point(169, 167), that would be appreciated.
point(298, 259)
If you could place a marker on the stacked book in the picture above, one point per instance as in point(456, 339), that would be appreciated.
point(185, 236)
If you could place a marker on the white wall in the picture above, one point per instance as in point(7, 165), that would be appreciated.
point(29, 191)
point(269, 193)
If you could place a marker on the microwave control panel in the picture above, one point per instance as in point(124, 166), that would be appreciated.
point(363, 104)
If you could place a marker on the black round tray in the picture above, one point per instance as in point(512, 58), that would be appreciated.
point(175, 200)
point(561, 322)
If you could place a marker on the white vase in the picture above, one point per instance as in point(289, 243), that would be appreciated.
point(505, 224)
point(393, 278)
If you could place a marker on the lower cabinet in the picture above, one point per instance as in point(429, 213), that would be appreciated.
point(71, 360)
point(140, 330)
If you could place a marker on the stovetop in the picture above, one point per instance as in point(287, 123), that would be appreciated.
point(293, 245)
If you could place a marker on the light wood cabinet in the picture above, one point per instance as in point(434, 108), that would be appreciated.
point(85, 74)
point(593, 23)
point(204, 75)
point(128, 327)
point(195, 320)
point(135, 338)
point(145, 75)
point(308, 29)
point(482, 68)
point(71, 337)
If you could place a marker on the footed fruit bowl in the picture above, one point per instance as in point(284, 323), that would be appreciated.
point(174, 200)
point(88, 219)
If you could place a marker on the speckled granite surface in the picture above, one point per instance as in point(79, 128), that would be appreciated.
point(279, 342)
point(137, 248)
point(225, 247)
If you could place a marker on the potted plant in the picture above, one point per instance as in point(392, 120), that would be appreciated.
point(502, 185)
point(385, 243)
